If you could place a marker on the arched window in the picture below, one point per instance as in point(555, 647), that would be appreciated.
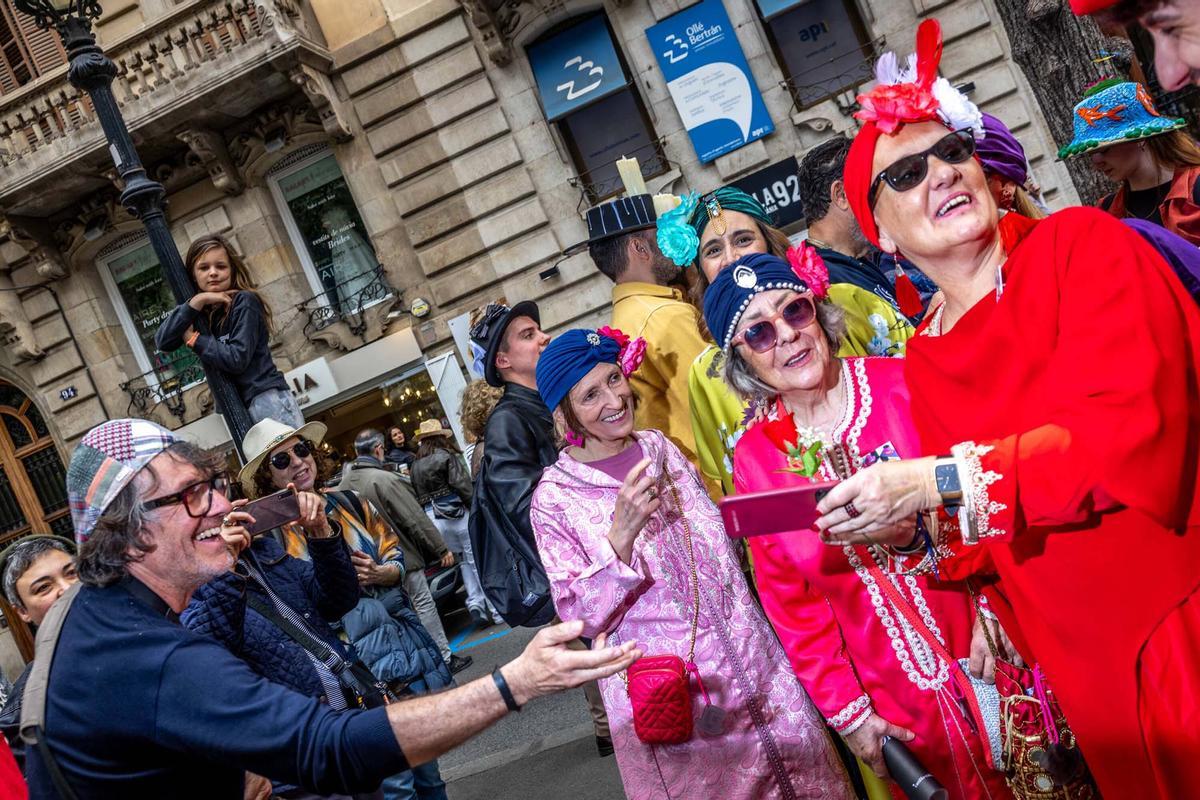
point(33, 491)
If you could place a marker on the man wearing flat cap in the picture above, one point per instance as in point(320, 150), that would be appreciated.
point(622, 241)
point(123, 701)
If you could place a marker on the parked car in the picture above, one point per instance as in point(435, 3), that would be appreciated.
point(444, 583)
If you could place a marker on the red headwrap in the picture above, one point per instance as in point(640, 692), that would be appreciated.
point(884, 110)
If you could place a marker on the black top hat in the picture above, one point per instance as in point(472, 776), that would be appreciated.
point(617, 217)
point(488, 333)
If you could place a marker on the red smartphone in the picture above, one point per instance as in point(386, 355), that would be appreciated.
point(272, 511)
point(775, 511)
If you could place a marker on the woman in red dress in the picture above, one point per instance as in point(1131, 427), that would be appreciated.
point(1056, 396)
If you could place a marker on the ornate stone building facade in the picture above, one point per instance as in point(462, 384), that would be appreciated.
point(372, 158)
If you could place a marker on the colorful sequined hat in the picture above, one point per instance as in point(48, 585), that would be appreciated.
point(106, 460)
point(1113, 111)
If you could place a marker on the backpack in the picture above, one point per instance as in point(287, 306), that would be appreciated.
point(510, 569)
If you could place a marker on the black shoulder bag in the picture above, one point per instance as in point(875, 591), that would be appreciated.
point(359, 682)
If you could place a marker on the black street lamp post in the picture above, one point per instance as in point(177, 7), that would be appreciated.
point(90, 70)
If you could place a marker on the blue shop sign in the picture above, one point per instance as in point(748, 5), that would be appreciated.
point(770, 8)
point(709, 79)
point(576, 67)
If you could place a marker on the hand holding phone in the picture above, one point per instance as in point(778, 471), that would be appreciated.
point(774, 511)
point(272, 511)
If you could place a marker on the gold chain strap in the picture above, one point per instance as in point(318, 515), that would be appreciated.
point(695, 578)
point(687, 534)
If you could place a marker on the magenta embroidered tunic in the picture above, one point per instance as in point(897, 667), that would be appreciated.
point(774, 744)
point(850, 648)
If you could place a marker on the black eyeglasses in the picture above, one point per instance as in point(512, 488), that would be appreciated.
point(762, 336)
point(280, 460)
point(196, 497)
point(908, 172)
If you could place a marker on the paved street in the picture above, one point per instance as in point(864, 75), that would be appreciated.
point(546, 752)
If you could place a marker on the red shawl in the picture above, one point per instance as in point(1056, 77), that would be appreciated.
point(1080, 388)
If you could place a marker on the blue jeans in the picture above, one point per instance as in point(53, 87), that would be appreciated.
point(423, 782)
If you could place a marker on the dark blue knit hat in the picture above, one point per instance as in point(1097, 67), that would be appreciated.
point(734, 287)
point(569, 357)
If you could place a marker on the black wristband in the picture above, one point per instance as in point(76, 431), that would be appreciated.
point(502, 685)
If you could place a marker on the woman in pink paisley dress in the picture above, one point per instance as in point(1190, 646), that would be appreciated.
point(869, 671)
point(612, 518)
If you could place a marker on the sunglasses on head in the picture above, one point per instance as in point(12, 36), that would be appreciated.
point(281, 459)
point(908, 172)
point(762, 336)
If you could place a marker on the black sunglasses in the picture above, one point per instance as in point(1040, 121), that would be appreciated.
point(280, 460)
point(908, 172)
point(196, 497)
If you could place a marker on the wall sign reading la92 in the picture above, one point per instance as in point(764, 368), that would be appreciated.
point(777, 188)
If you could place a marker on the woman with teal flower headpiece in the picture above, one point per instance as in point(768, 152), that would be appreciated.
point(1155, 162)
point(729, 223)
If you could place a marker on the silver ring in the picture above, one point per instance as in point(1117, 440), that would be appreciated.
point(227, 521)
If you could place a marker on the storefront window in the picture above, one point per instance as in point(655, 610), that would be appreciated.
point(142, 297)
point(822, 46)
point(328, 232)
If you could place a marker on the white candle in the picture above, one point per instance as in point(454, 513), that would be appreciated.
point(631, 176)
point(665, 202)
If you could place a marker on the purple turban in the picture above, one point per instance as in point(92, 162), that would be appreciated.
point(1000, 151)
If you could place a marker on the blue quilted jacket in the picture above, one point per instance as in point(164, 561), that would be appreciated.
point(321, 591)
point(392, 642)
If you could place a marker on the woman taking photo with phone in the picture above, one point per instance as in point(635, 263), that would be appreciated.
point(875, 664)
point(239, 324)
point(634, 548)
point(338, 536)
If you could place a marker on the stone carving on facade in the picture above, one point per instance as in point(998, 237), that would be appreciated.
point(16, 330)
point(207, 149)
point(294, 124)
point(318, 88)
point(499, 21)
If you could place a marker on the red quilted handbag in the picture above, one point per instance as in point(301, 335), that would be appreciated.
point(661, 699)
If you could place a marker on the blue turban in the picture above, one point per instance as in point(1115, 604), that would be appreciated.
point(734, 287)
point(569, 357)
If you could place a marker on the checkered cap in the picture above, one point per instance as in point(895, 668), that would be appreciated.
point(104, 462)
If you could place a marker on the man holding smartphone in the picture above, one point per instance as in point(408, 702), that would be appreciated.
point(135, 705)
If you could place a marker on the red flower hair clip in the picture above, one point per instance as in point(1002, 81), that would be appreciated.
point(810, 267)
point(633, 351)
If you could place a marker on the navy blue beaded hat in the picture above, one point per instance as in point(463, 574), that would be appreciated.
point(735, 286)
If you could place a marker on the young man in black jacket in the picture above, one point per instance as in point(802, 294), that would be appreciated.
point(518, 444)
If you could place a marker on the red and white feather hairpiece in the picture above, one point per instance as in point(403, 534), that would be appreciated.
point(915, 93)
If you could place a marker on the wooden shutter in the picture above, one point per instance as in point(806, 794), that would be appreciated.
point(26, 51)
point(43, 46)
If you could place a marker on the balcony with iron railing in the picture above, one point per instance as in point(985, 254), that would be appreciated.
point(205, 64)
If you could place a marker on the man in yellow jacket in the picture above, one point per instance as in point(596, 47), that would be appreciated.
point(622, 243)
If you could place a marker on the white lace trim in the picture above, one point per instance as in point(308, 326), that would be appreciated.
point(934, 328)
point(850, 718)
point(918, 660)
point(975, 516)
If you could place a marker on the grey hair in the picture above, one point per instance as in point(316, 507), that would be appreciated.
point(367, 440)
point(21, 557)
point(120, 536)
point(740, 375)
